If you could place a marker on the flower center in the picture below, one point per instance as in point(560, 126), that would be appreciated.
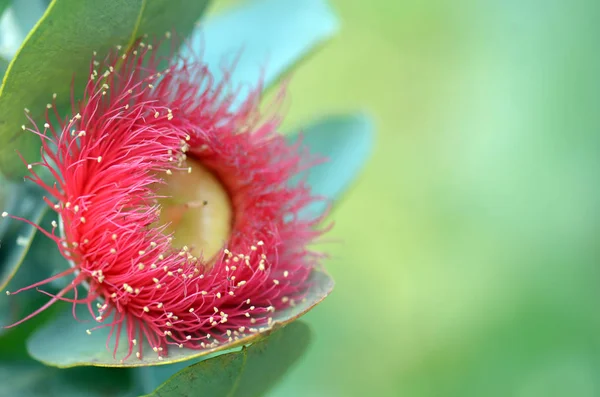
point(197, 210)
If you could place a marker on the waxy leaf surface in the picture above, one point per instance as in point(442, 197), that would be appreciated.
point(346, 141)
point(60, 46)
point(65, 343)
point(269, 35)
point(250, 372)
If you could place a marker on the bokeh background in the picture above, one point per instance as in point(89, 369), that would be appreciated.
point(466, 255)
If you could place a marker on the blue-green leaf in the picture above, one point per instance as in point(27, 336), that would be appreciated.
point(150, 377)
point(250, 372)
point(65, 343)
point(18, 19)
point(346, 141)
point(269, 360)
point(60, 47)
point(214, 378)
point(11, 35)
point(273, 35)
point(27, 13)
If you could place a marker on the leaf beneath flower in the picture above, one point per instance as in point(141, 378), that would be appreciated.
point(346, 141)
point(65, 343)
point(250, 372)
point(214, 377)
point(61, 45)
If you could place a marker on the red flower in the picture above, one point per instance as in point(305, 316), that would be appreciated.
point(112, 164)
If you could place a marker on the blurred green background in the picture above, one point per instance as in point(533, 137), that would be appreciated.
point(466, 254)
